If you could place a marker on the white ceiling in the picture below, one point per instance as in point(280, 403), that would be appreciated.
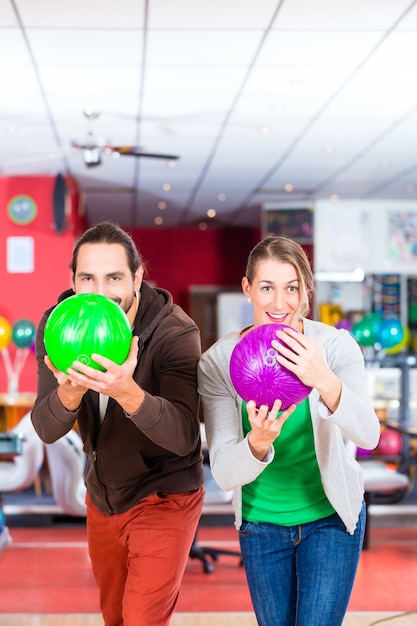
point(252, 95)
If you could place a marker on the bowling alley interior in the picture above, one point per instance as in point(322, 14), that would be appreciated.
point(242, 144)
point(44, 562)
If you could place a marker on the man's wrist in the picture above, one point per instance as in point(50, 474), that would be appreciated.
point(70, 401)
point(132, 399)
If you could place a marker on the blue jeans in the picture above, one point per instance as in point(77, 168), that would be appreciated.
point(301, 575)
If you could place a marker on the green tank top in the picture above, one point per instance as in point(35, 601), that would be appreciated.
point(289, 490)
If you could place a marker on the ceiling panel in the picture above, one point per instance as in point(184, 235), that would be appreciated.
point(92, 15)
point(354, 15)
point(251, 97)
point(216, 14)
point(108, 48)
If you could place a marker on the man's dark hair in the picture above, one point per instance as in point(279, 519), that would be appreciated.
point(110, 233)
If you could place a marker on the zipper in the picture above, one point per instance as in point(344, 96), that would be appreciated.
point(97, 473)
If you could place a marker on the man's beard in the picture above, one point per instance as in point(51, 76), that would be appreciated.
point(126, 306)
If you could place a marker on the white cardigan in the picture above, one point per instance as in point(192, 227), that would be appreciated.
point(231, 460)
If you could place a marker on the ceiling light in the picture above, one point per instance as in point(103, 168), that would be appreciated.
point(334, 197)
point(221, 197)
point(172, 164)
point(158, 221)
point(355, 276)
point(289, 188)
point(166, 187)
point(162, 205)
point(211, 213)
point(202, 226)
point(91, 114)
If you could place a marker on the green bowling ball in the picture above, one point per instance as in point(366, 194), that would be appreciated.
point(84, 324)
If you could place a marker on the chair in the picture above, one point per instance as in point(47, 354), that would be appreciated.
point(22, 452)
point(21, 471)
point(381, 484)
point(66, 461)
point(216, 502)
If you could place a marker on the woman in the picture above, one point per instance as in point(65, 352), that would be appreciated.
point(298, 495)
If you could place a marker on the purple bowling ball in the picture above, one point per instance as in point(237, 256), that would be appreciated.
point(361, 452)
point(257, 375)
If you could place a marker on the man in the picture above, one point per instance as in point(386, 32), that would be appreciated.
point(140, 428)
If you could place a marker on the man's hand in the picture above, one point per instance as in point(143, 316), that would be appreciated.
point(116, 382)
point(69, 394)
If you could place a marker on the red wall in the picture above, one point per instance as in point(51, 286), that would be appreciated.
point(27, 295)
point(179, 259)
point(176, 260)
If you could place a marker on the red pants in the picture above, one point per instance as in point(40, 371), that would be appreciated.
point(139, 557)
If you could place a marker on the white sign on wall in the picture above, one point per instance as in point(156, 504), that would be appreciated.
point(20, 255)
point(233, 313)
point(377, 236)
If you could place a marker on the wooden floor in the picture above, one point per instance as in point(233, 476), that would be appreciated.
point(36, 585)
point(203, 619)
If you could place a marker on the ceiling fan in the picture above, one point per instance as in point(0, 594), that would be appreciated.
point(92, 149)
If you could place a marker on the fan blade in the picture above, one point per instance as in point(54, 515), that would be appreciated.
point(137, 152)
point(80, 146)
point(92, 152)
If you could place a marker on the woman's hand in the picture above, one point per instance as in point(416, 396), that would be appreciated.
point(306, 359)
point(303, 356)
point(266, 426)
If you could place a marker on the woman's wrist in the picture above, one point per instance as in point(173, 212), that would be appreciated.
point(330, 390)
point(259, 451)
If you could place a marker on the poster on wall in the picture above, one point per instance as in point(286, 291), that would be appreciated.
point(293, 222)
point(402, 237)
point(20, 255)
point(378, 236)
point(351, 234)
